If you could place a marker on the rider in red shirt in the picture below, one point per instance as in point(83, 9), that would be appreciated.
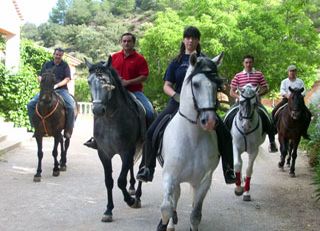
point(133, 70)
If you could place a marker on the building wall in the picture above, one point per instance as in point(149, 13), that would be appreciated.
point(10, 22)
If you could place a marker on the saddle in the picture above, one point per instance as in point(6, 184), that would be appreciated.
point(141, 112)
point(157, 137)
point(276, 114)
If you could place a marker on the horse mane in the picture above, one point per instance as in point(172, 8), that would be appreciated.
point(206, 66)
point(48, 79)
point(110, 71)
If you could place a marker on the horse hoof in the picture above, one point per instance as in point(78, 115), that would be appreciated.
point(280, 165)
point(36, 178)
point(246, 198)
point(137, 204)
point(292, 174)
point(175, 217)
point(63, 168)
point(132, 191)
point(55, 173)
point(162, 227)
point(106, 218)
point(238, 191)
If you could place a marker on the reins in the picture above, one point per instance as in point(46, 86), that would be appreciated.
point(43, 118)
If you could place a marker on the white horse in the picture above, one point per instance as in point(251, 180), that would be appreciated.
point(190, 148)
point(248, 135)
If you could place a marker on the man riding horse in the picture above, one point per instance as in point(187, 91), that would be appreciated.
point(294, 82)
point(63, 76)
point(256, 78)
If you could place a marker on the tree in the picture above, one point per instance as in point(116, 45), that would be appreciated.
point(277, 33)
point(58, 13)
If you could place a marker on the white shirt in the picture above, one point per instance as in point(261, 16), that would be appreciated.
point(286, 83)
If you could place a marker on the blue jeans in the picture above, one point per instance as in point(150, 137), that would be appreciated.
point(146, 104)
point(68, 101)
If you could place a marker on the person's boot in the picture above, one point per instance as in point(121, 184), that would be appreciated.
point(229, 176)
point(145, 174)
point(91, 143)
point(273, 147)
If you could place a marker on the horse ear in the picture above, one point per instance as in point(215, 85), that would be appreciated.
point(257, 88)
point(218, 59)
point(290, 89)
point(193, 59)
point(302, 90)
point(88, 64)
point(109, 61)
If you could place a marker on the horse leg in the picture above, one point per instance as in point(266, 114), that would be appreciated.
point(294, 157)
point(283, 150)
point(237, 168)
point(252, 157)
point(200, 192)
point(132, 189)
point(289, 154)
point(64, 149)
point(37, 176)
point(56, 170)
point(107, 166)
point(167, 206)
point(127, 162)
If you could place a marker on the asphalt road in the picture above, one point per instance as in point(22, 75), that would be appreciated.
point(76, 199)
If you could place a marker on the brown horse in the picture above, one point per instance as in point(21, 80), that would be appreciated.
point(291, 123)
point(49, 120)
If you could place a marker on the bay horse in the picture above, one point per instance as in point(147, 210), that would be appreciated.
point(247, 136)
point(118, 129)
point(290, 125)
point(49, 120)
point(190, 148)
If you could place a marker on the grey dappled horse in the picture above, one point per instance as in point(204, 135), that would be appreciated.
point(117, 128)
point(190, 148)
point(247, 136)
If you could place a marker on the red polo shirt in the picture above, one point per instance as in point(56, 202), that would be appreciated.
point(130, 67)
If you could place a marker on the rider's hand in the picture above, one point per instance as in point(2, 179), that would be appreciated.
point(55, 86)
point(176, 97)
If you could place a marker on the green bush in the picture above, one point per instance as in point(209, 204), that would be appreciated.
point(313, 146)
point(82, 91)
point(17, 90)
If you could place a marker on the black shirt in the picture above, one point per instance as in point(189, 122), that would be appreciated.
point(62, 71)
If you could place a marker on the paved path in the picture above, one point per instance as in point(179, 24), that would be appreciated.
point(77, 198)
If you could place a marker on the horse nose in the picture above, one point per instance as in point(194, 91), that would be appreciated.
point(208, 121)
point(99, 110)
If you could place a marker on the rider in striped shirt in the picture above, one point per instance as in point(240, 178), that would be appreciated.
point(256, 78)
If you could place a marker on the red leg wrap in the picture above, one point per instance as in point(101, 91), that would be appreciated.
point(238, 178)
point(247, 184)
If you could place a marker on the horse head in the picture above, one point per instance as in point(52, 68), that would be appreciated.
point(47, 86)
point(247, 105)
point(102, 80)
point(296, 103)
point(200, 88)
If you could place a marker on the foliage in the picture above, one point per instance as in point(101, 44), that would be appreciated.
point(82, 91)
point(313, 146)
point(276, 33)
point(17, 90)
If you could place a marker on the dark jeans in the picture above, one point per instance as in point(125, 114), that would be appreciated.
point(69, 104)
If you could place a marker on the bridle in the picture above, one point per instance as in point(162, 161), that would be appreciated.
point(247, 100)
point(195, 103)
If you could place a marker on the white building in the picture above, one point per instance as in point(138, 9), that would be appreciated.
point(11, 20)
